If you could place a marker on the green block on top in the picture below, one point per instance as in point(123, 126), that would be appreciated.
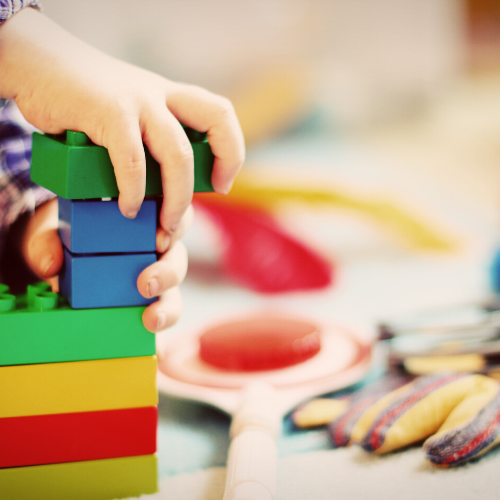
point(39, 327)
point(74, 168)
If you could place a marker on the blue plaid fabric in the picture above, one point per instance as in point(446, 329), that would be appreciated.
point(17, 193)
point(9, 7)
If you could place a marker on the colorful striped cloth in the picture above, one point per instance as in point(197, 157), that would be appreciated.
point(342, 427)
point(476, 431)
point(458, 414)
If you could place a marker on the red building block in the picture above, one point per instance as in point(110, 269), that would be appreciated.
point(73, 437)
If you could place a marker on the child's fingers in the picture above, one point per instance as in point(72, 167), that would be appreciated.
point(166, 240)
point(169, 145)
point(206, 112)
point(165, 312)
point(126, 151)
point(167, 273)
point(42, 248)
point(45, 253)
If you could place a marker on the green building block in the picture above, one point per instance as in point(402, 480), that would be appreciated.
point(91, 480)
point(40, 327)
point(74, 168)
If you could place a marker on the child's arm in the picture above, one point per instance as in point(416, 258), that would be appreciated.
point(60, 83)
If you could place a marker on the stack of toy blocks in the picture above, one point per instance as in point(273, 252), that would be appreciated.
point(78, 396)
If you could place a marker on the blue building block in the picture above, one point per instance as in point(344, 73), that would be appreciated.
point(99, 227)
point(90, 281)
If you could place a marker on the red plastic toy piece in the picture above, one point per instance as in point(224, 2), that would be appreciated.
point(264, 343)
point(260, 255)
point(74, 437)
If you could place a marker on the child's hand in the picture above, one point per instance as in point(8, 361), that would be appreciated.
point(61, 83)
point(42, 251)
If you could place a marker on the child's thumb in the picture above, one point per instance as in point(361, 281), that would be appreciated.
point(42, 246)
point(45, 256)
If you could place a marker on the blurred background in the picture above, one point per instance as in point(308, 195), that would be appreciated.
point(412, 80)
point(359, 61)
point(373, 137)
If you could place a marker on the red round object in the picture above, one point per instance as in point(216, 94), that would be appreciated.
point(256, 344)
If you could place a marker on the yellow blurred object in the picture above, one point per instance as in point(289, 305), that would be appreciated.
point(319, 412)
point(272, 103)
point(463, 363)
point(250, 188)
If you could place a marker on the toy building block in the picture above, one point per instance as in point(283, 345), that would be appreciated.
point(74, 168)
point(74, 437)
point(89, 281)
point(99, 227)
point(90, 480)
point(40, 327)
point(80, 386)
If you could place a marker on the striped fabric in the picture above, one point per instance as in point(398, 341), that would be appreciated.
point(17, 193)
point(460, 413)
point(341, 428)
point(422, 387)
point(471, 440)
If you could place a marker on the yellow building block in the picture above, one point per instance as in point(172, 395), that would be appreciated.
point(76, 387)
point(92, 480)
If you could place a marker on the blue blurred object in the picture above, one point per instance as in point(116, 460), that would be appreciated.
point(89, 281)
point(495, 273)
point(88, 226)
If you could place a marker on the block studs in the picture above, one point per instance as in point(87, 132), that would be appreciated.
point(46, 301)
point(7, 302)
point(77, 138)
point(34, 290)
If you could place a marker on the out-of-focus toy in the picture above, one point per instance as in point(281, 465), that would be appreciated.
point(259, 254)
point(460, 338)
point(259, 344)
point(254, 188)
point(257, 399)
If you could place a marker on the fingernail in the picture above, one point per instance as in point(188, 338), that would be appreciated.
point(131, 215)
point(46, 264)
point(227, 188)
point(153, 287)
point(162, 320)
point(164, 242)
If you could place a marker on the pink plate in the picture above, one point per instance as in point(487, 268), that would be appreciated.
point(343, 360)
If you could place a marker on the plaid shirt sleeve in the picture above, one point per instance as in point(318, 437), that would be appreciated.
point(17, 193)
point(9, 7)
